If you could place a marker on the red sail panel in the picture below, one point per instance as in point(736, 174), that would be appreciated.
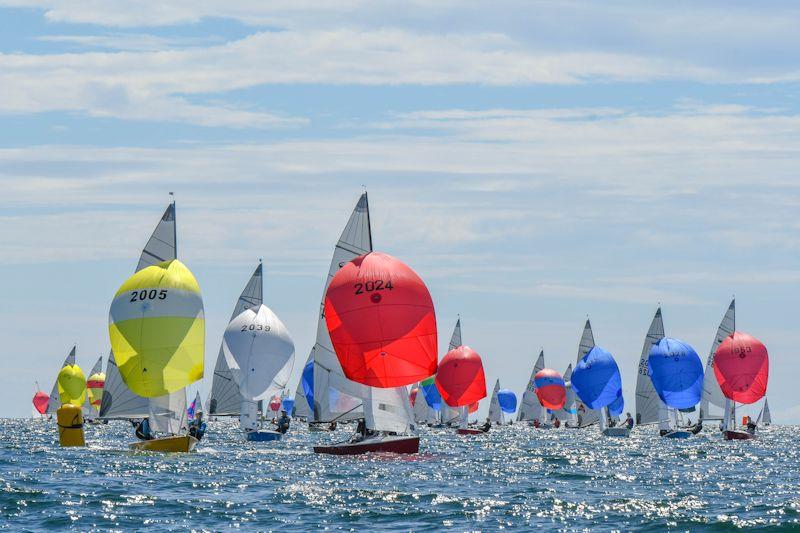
point(741, 366)
point(550, 388)
point(473, 407)
point(460, 379)
point(381, 321)
point(40, 402)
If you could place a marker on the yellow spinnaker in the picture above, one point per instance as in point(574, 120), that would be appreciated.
point(71, 385)
point(157, 329)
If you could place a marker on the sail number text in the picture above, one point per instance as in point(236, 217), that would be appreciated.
point(255, 327)
point(152, 294)
point(376, 285)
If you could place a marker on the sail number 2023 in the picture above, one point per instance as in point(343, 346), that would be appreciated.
point(152, 294)
point(373, 285)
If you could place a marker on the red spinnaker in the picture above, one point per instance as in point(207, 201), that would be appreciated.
point(460, 379)
point(381, 321)
point(40, 402)
point(550, 388)
point(741, 366)
point(275, 403)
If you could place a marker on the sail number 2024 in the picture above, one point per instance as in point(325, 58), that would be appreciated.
point(152, 294)
point(373, 285)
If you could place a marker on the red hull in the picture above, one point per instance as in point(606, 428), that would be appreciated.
point(738, 435)
point(395, 445)
point(469, 431)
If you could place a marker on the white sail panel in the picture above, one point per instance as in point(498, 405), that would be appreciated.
point(168, 413)
point(530, 407)
point(388, 410)
point(421, 409)
point(495, 414)
point(586, 416)
point(648, 404)
point(712, 394)
point(225, 399)
point(335, 396)
point(259, 353)
point(55, 398)
point(118, 401)
point(162, 245)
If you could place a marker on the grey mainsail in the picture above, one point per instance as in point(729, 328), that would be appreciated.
point(55, 398)
point(530, 407)
point(712, 394)
point(586, 416)
point(648, 404)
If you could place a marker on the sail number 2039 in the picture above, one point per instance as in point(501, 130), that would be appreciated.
point(152, 294)
point(373, 285)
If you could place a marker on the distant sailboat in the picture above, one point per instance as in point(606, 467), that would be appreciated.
point(531, 409)
point(598, 383)
point(54, 401)
point(648, 404)
point(764, 416)
point(495, 415)
point(712, 394)
point(94, 389)
point(462, 383)
point(676, 372)
point(503, 402)
point(586, 416)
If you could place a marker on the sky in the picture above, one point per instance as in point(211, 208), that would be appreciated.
point(536, 162)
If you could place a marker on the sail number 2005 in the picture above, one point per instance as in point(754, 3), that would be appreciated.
point(152, 294)
point(373, 285)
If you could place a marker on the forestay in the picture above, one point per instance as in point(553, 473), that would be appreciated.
point(712, 394)
point(225, 397)
point(335, 396)
point(648, 404)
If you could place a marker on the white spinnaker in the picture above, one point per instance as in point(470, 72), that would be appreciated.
point(712, 394)
point(586, 416)
point(495, 414)
point(259, 353)
point(55, 398)
point(568, 413)
point(530, 407)
point(388, 410)
point(168, 413)
point(335, 396)
point(225, 399)
point(648, 404)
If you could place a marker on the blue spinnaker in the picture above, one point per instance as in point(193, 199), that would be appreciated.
point(616, 407)
point(507, 400)
point(596, 379)
point(432, 396)
point(307, 379)
point(676, 372)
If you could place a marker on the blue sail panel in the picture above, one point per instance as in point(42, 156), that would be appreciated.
point(507, 400)
point(596, 378)
point(616, 407)
point(676, 372)
point(431, 393)
point(307, 379)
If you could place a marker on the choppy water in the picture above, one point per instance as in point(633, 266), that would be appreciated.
point(514, 478)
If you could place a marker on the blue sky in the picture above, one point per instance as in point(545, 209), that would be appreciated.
point(536, 162)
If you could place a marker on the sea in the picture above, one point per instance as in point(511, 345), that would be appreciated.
point(512, 478)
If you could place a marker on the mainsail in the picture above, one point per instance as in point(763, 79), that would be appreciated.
point(569, 413)
point(712, 394)
point(335, 396)
point(648, 404)
point(225, 397)
point(495, 414)
point(55, 398)
point(119, 402)
point(765, 416)
point(586, 416)
point(531, 408)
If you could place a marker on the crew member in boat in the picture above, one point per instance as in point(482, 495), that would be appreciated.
point(283, 423)
point(197, 428)
point(751, 426)
point(486, 425)
point(143, 431)
point(628, 421)
point(556, 422)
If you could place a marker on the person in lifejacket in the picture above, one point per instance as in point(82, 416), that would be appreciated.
point(486, 425)
point(197, 428)
point(143, 431)
point(283, 423)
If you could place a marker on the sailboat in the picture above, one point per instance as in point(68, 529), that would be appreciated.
point(54, 400)
point(764, 416)
point(260, 354)
point(598, 383)
point(503, 402)
point(676, 372)
point(447, 415)
point(462, 383)
point(712, 394)
point(532, 410)
point(40, 401)
point(127, 394)
point(337, 398)
point(586, 416)
point(741, 367)
point(225, 398)
point(94, 389)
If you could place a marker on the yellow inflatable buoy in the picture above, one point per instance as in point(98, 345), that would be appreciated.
point(70, 426)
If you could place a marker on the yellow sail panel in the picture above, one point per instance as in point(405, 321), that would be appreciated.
point(157, 329)
point(72, 385)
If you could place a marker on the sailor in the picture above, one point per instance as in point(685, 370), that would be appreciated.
point(283, 423)
point(361, 431)
point(629, 421)
point(486, 425)
point(556, 422)
point(197, 428)
point(143, 430)
point(332, 426)
point(751, 426)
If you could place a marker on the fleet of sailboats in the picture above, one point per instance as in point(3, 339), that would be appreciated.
point(374, 361)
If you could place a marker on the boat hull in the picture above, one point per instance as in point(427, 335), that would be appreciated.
point(738, 435)
point(386, 444)
point(678, 434)
point(176, 444)
point(617, 432)
point(469, 431)
point(263, 435)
